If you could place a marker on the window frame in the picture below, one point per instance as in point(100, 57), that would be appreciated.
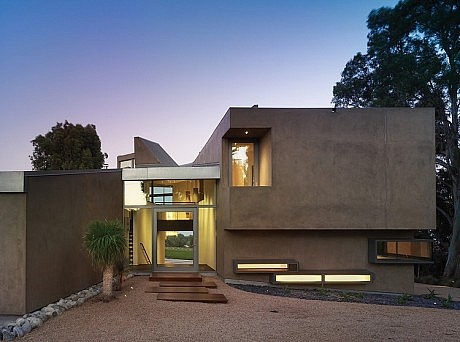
point(374, 259)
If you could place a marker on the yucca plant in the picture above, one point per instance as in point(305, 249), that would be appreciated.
point(105, 242)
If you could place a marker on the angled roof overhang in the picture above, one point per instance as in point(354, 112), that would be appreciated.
point(163, 173)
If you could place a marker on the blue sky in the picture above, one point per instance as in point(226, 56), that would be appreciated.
point(165, 70)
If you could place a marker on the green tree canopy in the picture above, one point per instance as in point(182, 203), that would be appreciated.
point(68, 147)
point(413, 59)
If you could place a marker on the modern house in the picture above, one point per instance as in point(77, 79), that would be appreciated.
point(310, 197)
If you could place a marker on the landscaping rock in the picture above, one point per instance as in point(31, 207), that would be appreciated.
point(17, 330)
point(7, 335)
point(26, 323)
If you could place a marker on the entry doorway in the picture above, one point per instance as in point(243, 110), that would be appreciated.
point(175, 239)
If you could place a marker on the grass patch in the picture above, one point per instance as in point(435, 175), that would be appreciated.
point(183, 253)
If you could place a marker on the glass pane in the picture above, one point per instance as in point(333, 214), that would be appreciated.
point(175, 239)
point(134, 194)
point(242, 164)
point(418, 250)
point(178, 191)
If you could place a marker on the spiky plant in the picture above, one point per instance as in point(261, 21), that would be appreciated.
point(105, 242)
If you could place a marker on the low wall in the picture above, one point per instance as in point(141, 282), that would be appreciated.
point(60, 206)
point(13, 253)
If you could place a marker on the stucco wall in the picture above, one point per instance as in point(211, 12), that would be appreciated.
point(317, 250)
point(353, 169)
point(13, 253)
point(337, 179)
point(59, 209)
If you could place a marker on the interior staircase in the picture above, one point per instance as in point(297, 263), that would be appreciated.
point(184, 287)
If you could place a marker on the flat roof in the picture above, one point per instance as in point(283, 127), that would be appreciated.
point(173, 173)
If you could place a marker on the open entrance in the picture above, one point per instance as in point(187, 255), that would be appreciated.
point(170, 224)
point(175, 239)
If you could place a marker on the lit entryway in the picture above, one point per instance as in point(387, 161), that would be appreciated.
point(175, 238)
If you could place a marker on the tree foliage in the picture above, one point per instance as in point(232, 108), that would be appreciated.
point(413, 59)
point(68, 147)
point(179, 240)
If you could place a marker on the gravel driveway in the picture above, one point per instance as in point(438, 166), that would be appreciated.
point(138, 316)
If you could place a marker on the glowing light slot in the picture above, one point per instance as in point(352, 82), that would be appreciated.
point(347, 278)
point(298, 278)
point(268, 267)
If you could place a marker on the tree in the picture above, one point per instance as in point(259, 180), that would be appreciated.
point(413, 59)
point(105, 242)
point(68, 147)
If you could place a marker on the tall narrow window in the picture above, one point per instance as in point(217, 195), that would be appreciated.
point(244, 165)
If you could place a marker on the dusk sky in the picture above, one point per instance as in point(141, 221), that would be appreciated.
point(166, 71)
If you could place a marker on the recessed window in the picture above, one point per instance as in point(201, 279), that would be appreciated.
point(244, 168)
point(400, 251)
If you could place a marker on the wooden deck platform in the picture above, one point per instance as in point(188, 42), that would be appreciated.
point(205, 283)
point(175, 276)
point(179, 289)
point(193, 297)
point(184, 287)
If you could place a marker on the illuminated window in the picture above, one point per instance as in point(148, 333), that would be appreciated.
point(400, 251)
point(244, 168)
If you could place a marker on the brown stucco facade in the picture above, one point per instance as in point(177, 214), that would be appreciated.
point(328, 182)
point(13, 253)
point(42, 228)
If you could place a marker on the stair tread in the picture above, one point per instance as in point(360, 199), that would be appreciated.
point(204, 283)
point(177, 289)
point(193, 297)
point(175, 276)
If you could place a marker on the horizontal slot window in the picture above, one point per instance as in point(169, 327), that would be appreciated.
point(264, 266)
point(323, 277)
point(400, 251)
point(298, 278)
point(347, 278)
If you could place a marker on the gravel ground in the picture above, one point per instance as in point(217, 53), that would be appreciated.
point(137, 316)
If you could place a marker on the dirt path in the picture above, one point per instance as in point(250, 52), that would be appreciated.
point(138, 316)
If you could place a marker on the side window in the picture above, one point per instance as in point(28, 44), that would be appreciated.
point(244, 165)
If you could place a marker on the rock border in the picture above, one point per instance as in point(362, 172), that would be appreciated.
point(30, 321)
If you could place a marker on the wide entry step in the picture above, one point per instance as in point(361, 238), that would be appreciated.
point(175, 276)
point(177, 289)
point(193, 297)
point(205, 283)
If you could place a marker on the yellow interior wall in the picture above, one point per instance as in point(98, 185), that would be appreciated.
point(142, 231)
point(207, 236)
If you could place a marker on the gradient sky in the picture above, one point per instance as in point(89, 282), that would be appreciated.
point(165, 70)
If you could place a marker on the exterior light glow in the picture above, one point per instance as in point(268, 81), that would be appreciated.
point(298, 278)
point(262, 266)
point(246, 132)
point(347, 278)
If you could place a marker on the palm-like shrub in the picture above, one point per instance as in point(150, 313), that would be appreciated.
point(105, 242)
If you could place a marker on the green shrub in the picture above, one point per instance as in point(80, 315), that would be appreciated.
point(404, 298)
